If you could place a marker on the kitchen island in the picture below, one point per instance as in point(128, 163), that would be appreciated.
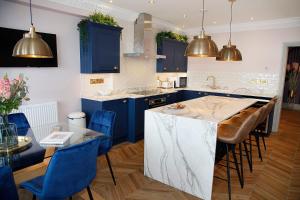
point(180, 144)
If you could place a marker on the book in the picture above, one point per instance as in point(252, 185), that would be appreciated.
point(56, 138)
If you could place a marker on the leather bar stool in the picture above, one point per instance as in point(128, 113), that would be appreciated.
point(234, 132)
point(258, 130)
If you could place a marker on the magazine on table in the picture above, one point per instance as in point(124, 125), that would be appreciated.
point(56, 138)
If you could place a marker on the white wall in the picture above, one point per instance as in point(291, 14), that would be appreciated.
point(261, 69)
point(46, 84)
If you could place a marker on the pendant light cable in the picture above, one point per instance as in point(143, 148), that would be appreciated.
point(30, 13)
point(202, 15)
point(230, 22)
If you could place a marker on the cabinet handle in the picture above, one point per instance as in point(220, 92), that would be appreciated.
point(168, 95)
point(228, 95)
point(165, 68)
point(199, 92)
point(124, 101)
point(177, 68)
point(115, 67)
point(146, 99)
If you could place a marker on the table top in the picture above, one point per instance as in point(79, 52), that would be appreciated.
point(208, 108)
point(79, 134)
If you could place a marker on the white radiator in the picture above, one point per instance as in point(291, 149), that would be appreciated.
point(40, 114)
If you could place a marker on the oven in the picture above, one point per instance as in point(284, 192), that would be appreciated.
point(156, 102)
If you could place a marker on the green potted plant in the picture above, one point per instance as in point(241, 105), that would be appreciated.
point(171, 35)
point(96, 17)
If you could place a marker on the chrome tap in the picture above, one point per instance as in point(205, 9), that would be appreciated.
point(213, 86)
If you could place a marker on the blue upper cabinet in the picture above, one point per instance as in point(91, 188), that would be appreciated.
point(100, 49)
point(175, 60)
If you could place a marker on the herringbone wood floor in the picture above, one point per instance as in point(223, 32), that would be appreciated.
point(277, 177)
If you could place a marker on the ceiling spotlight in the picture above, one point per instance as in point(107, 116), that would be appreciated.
point(110, 1)
point(151, 1)
point(214, 22)
point(251, 18)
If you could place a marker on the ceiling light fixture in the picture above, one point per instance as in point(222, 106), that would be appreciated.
point(110, 1)
point(229, 51)
point(32, 45)
point(151, 1)
point(202, 45)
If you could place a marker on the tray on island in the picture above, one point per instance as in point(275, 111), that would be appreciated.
point(23, 143)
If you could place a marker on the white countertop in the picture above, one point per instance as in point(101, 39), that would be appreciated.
point(209, 108)
point(238, 91)
point(241, 91)
point(126, 95)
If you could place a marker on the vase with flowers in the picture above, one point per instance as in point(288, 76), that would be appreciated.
point(12, 93)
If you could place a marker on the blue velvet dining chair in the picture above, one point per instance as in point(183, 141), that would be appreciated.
point(35, 154)
point(8, 189)
point(104, 121)
point(70, 170)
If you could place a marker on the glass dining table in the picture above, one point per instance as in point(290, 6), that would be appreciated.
point(29, 150)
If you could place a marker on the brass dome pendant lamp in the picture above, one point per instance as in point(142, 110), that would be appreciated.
point(32, 45)
point(202, 45)
point(229, 51)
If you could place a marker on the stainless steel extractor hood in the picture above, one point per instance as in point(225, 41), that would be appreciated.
point(143, 38)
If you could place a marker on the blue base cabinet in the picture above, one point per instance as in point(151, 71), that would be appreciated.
point(119, 106)
point(175, 60)
point(136, 118)
point(100, 48)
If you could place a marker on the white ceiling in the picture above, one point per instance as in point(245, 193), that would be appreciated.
point(218, 11)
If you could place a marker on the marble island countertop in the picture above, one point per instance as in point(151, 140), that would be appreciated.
point(209, 108)
point(180, 146)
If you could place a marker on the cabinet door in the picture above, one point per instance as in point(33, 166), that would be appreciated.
point(142, 104)
point(105, 50)
point(188, 94)
point(171, 98)
point(180, 60)
point(168, 51)
point(121, 125)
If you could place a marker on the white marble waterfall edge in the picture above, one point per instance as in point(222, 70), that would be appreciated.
point(180, 152)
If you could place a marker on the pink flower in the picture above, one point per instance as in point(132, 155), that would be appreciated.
point(5, 88)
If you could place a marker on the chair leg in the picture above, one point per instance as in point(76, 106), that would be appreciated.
point(258, 146)
point(237, 166)
point(242, 164)
point(110, 168)
point(263, 139)
point(228, 172)
point(90, 193)
point(34, 197)
point(250, 144)
point(248, 157)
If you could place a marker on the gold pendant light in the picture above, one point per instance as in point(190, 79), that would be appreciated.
point(229, 52)
point(202, 45)
point(32, 45)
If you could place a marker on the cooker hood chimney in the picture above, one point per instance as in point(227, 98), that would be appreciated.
point(143, 38)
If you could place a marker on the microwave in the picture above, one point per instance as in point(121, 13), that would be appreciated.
point(181, 82)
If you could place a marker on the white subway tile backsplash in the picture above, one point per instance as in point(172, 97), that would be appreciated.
point(257, 82)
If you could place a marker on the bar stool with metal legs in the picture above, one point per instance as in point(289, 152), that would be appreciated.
point(259, 126)
point(232, 134)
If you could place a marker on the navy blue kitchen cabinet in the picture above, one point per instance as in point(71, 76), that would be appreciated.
point(184, 95)
point(171, 98)
point(119, 106)
point(100, 48)
point(175, 60)
point(136, 118)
